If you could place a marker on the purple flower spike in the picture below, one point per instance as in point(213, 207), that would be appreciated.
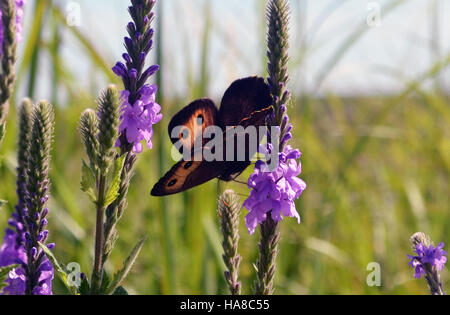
point(132, 73)
point(274, 191)
point(433, 256)
point(35, 274)
point(120, 70)
point(289, 128)
point(127, 58)
point(429, 261)
point(138, 120)
point(19, 17)
point(10, 253)
point(139, 108)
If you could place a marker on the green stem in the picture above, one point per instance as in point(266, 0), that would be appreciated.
point(97, 272)
point(268, 249)
point(169, 286)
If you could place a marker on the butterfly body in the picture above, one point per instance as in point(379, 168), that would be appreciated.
point(246, 103)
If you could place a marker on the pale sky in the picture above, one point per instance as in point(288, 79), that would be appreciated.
point(382, 60)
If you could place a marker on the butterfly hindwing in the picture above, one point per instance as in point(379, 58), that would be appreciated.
point(242, 98)
point(236, 167)
point(185, 175)
point(188, 124)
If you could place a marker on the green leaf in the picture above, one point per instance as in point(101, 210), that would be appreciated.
point(4, 271)
point(2, 203)
point(88, 184)
point(113, 190)
point(59, 269)
point(85, 287)
point(120, 291)
point(120, 276)
point(106, 281)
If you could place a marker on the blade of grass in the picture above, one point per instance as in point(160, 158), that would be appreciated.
point(169, 275)
point(381, 116)
point(348, 43)
point(54, 51)
point(95, 56)
point(332, 193)
point(204, 79)
point(31, 54)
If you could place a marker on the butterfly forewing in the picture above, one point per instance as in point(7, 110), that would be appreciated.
point(188, 125)
point(252, 96)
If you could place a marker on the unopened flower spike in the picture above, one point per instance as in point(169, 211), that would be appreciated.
point(228, 210)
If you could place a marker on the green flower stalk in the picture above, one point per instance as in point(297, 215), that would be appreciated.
point(139, 108)
point(8, 57)
point(124, 125)
point(228, 210)
point(115, 211)
point(108, 112)
point(106, 179)
point(99, 132)
point(268, 252)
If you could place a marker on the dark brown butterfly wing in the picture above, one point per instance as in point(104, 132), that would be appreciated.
point(247, 102)
point(243, 97)
point(186, 175)
point(189, 124)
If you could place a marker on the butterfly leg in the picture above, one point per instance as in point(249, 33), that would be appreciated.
point(239, 182)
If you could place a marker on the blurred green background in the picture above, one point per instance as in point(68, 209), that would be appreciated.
point(375, 142)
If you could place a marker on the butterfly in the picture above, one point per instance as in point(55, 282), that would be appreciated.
point(247, 102)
